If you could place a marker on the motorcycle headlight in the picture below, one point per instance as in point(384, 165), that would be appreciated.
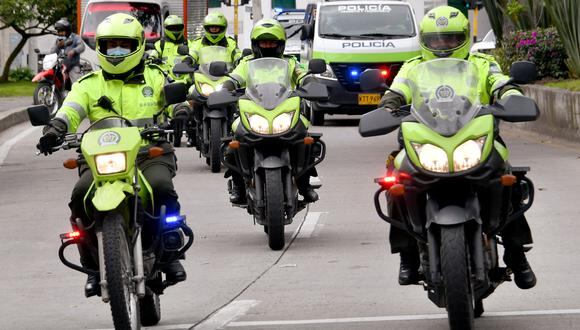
point(432, 158)
point(329, 74)
point(111, 163)
point(282, 122)
point(259, 124)
point(206, 89)
point(468, 154)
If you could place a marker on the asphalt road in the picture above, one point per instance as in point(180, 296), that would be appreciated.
point(336, 272)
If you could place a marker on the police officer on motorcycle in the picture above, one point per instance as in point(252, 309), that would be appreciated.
point(125, 86)
point(72, 45)
point(215, 25)
point(268, 39)
point(166, 49)
point(444, 33)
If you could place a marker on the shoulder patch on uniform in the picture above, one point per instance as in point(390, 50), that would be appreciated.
point(88, 75)
point(412, 59)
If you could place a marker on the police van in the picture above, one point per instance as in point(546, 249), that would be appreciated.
point(352, 36)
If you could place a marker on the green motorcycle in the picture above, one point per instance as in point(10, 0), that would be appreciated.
point(452, 187)
point(271, 144)
point(211, 125)
point(129, 242)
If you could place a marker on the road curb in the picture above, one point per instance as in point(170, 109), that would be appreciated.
point(12, 117)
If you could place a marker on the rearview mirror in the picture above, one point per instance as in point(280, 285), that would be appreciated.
point(523, 72)
point(371, 79)
point(182, 50)
point(517, 108)
point(378, 122)
point(39, 115)
point(221, 99)
point(218, 69)
point(246, 52)
point(313, 91)
point(183, 67)
point(317, 66)
point(175, 93)
point(307, 31)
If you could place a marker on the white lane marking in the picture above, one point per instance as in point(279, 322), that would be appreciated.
point(225, 315)
point(309, 224)
point(396, 318)
point(5, 148)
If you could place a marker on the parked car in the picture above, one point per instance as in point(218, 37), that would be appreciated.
point(486, 44)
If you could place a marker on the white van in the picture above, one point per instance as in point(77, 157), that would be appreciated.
point(352, 36)
point(150, 13)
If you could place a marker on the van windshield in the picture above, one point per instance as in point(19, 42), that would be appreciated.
point(366, 21)
point(147, 13)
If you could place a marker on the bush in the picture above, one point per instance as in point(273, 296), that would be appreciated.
point(20, 74)
point(541, 46)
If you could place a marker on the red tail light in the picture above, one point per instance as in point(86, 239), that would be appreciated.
point(385, 73)
point(71, 235)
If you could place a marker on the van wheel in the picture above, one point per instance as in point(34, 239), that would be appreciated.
point(316, 116)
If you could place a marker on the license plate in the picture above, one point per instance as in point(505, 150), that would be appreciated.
point(369, 99)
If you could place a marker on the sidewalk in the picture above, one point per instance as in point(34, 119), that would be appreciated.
point(10, 103)
point(12, 111)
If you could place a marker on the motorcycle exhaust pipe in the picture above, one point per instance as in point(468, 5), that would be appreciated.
point(103, 282)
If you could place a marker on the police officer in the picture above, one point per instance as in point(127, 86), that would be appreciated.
point(215, 26)
point(268, 39)
point(166, 49)
point(444, 33)
point(72, 45)
point(125, 86)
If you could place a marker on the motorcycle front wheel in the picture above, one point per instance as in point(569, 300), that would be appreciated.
point(119, 274)
point(456, 279)
point(43, 95)
point(215, 140)
point(275, 208)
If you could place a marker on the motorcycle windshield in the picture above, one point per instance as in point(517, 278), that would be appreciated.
point(210, 54)
point(445, 94)
point(108, 122)
point(268, 82)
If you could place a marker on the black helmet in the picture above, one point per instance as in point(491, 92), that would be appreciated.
point(63, 25)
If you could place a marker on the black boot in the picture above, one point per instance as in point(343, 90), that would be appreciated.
point(310, 196)
point(409, 269)
point(174, 272)
point(515, 258)
point(237, 190)
point(92, 287)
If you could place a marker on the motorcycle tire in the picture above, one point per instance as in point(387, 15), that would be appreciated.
point(119, 273)
point(42, 94)
point(274, 191)
point(456, 279)
point(150, 309)
point(215, 140)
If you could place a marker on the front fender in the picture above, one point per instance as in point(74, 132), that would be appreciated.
point(215, 113)
point(276, 159)
point(109, 195)
point(452, 214)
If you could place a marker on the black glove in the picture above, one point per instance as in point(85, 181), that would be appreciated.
point(53, 136)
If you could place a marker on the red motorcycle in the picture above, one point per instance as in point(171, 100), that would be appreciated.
point(53, 82)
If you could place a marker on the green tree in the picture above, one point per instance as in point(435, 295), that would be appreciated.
point(32, 18)
point(565, 15)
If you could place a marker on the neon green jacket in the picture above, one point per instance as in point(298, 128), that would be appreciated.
point(170, 56)
point(240, 73)
point(229, 43)
point(138, 98)
point(491, 77)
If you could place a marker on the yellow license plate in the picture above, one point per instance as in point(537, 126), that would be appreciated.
point(369, 99)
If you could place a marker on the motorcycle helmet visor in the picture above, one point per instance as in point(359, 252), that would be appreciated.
point(175, 28)
point(214, 29)
point(117, 46)
point(443, 41)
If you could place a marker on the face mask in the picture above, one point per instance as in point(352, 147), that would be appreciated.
point(118, 51)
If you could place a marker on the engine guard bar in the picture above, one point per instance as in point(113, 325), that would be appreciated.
point(316, 161)
point(69, 264)
point(397, 223)
point(189, 233)
point(524, 208)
